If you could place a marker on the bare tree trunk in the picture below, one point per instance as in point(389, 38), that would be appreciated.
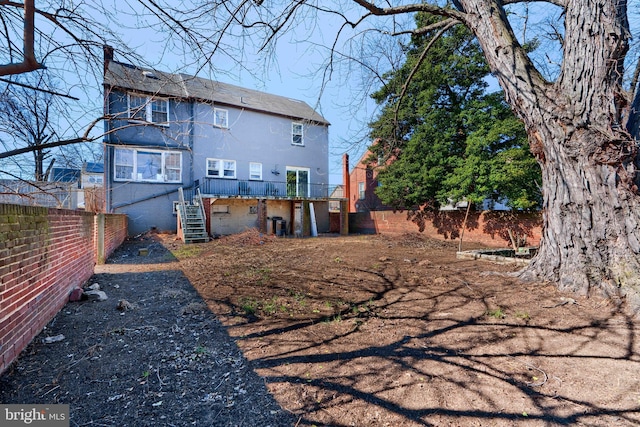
point(591, 235)
point(39, 157)
point(464, 225)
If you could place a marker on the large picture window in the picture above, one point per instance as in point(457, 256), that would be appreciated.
point(148, 109)
point(147, 165)
point(221, 168)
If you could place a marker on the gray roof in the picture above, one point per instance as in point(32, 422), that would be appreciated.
point(91, 167)
point(184, 86)
point(64, 175)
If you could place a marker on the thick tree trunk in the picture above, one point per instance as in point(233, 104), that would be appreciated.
point(591, 236)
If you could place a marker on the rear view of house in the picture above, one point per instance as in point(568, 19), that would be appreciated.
point(258, 160)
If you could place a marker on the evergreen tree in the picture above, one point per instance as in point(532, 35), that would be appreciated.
point(445, 137)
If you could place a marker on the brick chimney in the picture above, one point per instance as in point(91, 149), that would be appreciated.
point(108, 56)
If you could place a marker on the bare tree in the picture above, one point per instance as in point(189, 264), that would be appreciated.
point(27, 118)
point(578, 122)
point(42, 42)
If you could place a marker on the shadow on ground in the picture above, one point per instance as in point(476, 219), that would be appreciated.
point(150, 355)
point(379, 331)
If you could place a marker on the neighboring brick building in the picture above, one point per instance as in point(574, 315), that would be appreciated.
point(363, 182)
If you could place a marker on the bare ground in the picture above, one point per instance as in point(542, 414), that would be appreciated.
point(342, 331)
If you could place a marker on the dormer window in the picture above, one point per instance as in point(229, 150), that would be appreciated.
point(297, 137)
point(148, 109)
point(150, 75)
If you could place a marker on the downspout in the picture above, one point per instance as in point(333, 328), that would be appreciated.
point(107, 159)
point(191, 123)
point(192, 118)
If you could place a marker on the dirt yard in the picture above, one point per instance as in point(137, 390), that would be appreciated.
point(380, 331)
point(362, 331)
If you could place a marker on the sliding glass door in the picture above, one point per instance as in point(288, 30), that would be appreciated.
point(297, 182)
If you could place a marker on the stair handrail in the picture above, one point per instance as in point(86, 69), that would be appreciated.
point(182, 210)
point(199, 200)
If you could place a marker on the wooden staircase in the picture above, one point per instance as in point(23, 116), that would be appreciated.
point(192, 219)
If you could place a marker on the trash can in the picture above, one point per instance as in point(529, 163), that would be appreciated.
point(274, 221)
point(281, 227)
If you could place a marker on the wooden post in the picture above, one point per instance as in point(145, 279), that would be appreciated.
point(344, 217)
point(262, 216)
point(100, 238)
point(306, 219)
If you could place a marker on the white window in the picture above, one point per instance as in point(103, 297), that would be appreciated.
point(220, 118)
point(124, 164)
point(148, 109)
point(296, 134)
point(147, 165)
point(255, 171)
point(361, 190)
point(173, 166)
point(221, 168)
point(160, 110)
point(137, 107)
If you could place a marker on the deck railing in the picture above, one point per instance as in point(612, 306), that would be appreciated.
point(215, 187)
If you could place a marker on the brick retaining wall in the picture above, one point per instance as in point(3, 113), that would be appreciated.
point(44, 254)
point(490, 228)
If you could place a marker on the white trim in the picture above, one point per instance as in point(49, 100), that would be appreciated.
point(144, 112)
point(259, 171)
point(297, 169)
point(154, 173)
point(295, 133)
point(221, 169)
point(224, 125)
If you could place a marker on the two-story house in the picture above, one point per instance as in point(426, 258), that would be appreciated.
point(255, 157)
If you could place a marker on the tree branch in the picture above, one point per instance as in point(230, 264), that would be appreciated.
point(428, 28)
point(29, 62)
point(84, 138)
point(44, 146)
point(50, 92)
point(409, 8)
point(449, 23)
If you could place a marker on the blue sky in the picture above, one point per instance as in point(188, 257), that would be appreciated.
point(294, 69)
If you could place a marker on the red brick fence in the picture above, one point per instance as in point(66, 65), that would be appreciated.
point(490, 228)
point(44, 254)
